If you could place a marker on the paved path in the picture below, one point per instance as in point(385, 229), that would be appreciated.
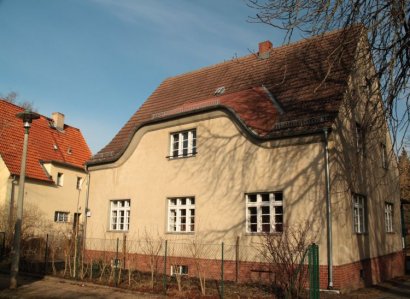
point(50, 287)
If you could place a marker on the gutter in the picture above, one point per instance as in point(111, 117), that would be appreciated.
point(107, 158)
point(328, 213)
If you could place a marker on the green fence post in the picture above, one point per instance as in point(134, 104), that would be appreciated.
point(222, 271)
point(46, 256)
point(116, 264)
point(313, 271)
point(164, 277)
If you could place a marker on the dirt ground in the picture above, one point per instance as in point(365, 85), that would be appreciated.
point(51, 287)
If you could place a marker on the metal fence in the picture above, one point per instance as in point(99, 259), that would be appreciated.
point(188, 268)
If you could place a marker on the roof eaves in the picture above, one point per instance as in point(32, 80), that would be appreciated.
point(110, 157)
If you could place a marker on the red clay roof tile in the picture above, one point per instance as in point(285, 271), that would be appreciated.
point(71, 146)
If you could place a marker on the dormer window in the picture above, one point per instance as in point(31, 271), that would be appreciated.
point(55, 147)
point(219, 91)
point(69, 151)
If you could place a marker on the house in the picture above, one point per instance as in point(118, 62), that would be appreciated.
point(261, 144)
point(55, 173)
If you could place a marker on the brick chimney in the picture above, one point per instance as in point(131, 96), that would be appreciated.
point(58, 120)
point(264, 49)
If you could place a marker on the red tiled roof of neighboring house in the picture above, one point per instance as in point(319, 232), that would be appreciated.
point(45, 143)
point(306, 80)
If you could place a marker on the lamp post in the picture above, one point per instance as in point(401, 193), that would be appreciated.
point(27, 117)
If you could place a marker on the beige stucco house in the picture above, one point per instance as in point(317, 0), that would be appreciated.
point(262, 144)
point(55, 186)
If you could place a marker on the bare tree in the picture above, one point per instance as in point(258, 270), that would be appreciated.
point(386, 24)
point(285, 253)
point(151, 247)
point(12, 97)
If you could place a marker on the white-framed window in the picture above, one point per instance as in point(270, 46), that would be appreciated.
point(183, 144)
point(120, 214)
point(60, 179)
point(79, 183)
point(179, 270)
point(388, 217)
point(383, 153)
point(359, 139)
point(60, 216)
point(181, 214)
point(359, 213)
point(264, 212)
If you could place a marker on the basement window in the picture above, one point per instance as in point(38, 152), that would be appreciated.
point(179, 270)
point(60, 216)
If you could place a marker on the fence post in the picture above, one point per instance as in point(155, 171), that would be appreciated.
point(237, 260)
point(116, 264)
point(314, 271)
point(46, 256)
point(222, 271)
point(3, 244)
point(164, 277)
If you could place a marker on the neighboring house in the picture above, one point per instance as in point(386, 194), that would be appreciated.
point(55, 188)
point(238, 149)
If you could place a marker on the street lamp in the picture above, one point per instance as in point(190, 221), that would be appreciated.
point(27, 117)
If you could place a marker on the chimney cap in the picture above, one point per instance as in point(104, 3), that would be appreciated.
point(264, 49)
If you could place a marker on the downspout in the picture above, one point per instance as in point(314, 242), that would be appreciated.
point(86, 210)
point(328, 213)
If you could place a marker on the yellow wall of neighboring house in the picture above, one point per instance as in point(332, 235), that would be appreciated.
point(49, 198)
point(4, 182)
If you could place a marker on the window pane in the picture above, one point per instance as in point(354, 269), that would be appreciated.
point(278, 196)
point(265, 196)
point(266, 227)
point(252, 197)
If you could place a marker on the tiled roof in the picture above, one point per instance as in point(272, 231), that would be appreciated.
point(307, 79)
point(71, 148)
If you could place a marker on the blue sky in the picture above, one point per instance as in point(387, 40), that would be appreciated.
point(97, 61)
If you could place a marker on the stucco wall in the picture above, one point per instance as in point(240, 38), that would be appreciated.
point(361, 171)
point(227, 166)
point(4, 178)
point(48, 197)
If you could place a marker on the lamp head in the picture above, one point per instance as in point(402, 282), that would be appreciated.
point(27, 117)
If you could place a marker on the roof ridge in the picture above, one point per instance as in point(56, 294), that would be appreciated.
point(41, 115)
point(281, 48)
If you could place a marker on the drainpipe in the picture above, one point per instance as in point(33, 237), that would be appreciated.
point(86, 208)
point(328, 214)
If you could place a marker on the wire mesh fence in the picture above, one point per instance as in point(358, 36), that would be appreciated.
point(153, 265)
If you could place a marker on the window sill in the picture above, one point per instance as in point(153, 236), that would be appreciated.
point(361, 234)
point(390, 233)
point(170, 158)
point(180, 233)
point(118, 231)
point(264, 234)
